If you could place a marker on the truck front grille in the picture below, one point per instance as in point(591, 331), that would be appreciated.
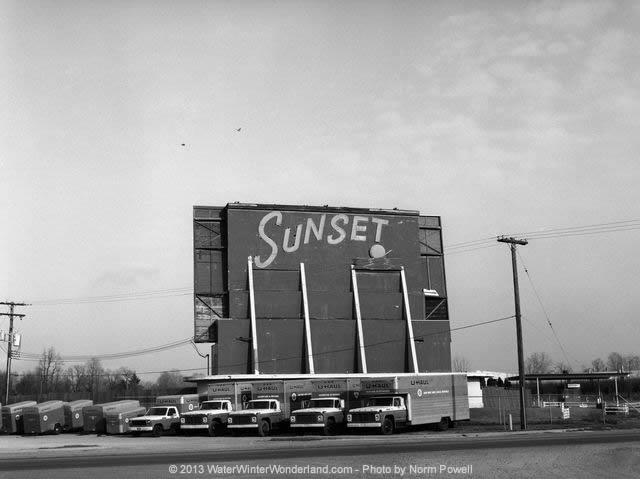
point(306, 418)
point(360, 417)
point(242, 420)
point(193, 420)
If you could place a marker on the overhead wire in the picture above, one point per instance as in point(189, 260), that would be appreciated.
point(371, 345)
point(533, 287)
point(153, 294)
point(34, 357)
point(452, 249)
point(582, 230)
point(27, 356)
point(585, 230)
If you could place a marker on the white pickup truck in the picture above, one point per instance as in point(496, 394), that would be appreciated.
point(165, 415)
point(157, 420)
point(210, 418)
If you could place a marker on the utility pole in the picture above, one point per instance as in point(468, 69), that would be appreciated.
point(11, 315)
point(516, 292)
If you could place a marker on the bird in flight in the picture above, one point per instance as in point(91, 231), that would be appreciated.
point(238, 129)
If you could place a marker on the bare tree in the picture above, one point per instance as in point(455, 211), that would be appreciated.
point(49, 368)
point(538, 363)
point(598, 365)
point(615, 362)
point(631, 362)
point(94, 375)
point(170, 382)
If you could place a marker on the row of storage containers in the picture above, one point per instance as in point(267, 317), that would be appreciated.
point(29, 417)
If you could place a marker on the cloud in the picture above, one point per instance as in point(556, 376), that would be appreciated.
point(567, 15)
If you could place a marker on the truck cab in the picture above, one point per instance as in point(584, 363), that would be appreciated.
point(260, 415)
point(325, 413)
point(157, 420)
point(165, 415)
point(383, 412)
point(210, 418)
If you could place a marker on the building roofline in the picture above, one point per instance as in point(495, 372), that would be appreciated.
point(570, 376)
point(275, 377)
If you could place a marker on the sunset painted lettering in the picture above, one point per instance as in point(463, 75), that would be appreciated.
point(321, 228)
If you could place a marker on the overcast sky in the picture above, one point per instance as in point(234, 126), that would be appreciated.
point(502, 117)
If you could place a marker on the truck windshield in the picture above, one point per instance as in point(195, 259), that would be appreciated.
point(157, 411)
point(380, 402)
point(321, 403)
point(258, 405)
point(212, 405)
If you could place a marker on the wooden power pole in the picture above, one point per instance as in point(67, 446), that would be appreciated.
point(516, 292)
point(11, 315)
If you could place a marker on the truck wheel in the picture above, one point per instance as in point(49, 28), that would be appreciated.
point(387, 426)
point(57, 429)
point(157, 430)
point(264, 428)
point(213, 429)
point(443, 425)
point(330, 427)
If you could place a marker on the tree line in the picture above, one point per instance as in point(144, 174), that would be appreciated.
point(51, 378)
point(541, 363)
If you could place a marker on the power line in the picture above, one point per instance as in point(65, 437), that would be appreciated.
point(80, 358)
point(370, 345)
point(36, 357)
point(599, 228)
point(460, 251)
point(587, 229)
point(12, 340)
point(114, 373)
point(162, 293)
point(190, 340)
point(545, 312)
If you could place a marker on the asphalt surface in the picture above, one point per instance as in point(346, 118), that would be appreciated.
point(20, 453)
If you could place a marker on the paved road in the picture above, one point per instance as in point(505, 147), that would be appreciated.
point(363, 456)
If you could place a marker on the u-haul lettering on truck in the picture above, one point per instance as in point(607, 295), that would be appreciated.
point(314, 230)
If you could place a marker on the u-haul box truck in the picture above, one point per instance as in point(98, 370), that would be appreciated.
point(270, 406)
point(94, 419)
point(73, 419)
point(165, 415)
point(44, 417)
point(118, 421)
point(12, 422)
point(324, 410)
point(394, 402)
point(211, 418)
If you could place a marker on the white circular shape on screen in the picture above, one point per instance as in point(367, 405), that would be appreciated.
point(377, 251)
